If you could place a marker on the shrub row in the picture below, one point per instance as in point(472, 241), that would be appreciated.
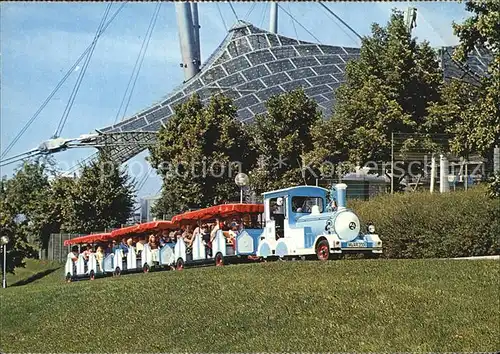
point(424, 225)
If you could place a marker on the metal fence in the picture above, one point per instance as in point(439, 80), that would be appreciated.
point(56, 251)
point(425, 162)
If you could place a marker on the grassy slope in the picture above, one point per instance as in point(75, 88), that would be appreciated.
point(34, 268)
point(357, 305)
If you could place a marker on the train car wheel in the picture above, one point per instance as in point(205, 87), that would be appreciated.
point(117, 271)
point(68, 277)
point(145, 268)
point(92, 275)
point(323, 250)
point(180, 264)
point(219, 260)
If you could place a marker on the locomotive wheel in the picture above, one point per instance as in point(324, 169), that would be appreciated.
point(117, 271)
point(323, 250)
point(92, 275)
point(180, 264)
point(219, 260)
point(68, 278)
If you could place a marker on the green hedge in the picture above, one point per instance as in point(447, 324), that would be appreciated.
point(424, 225)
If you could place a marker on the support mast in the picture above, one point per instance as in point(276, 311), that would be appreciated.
point(411, 18)
point(196, 32)
point(186, 39)
point(273, 20)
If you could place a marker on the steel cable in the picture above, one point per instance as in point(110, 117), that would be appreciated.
point(61, 82)
point(76, 88)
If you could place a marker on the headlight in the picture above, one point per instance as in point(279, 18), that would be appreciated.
point(371, 228)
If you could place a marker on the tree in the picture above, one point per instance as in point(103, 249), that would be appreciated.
point(282, 137)
point(387, 90)
point(101, 198)
point(482, 30)
point(455, 114)
point(29, 194)
point(18, 247)
point(198, 154)
point(62, 190)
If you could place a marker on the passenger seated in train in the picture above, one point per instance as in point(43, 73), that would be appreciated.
point(172, 237)
point(196, 230)
point(215, 228)
point(130, 244)
point(250, 221)
point(205, 239)
point(177, 235)
point(153, 245)
point(124, 246)
point(187, 235)
point(234, 231)
point(86, 252)
point(115, 246)
point(109, 248)
point(73, 254)
point(99, 255)
point(139, 246)
point(165, 238)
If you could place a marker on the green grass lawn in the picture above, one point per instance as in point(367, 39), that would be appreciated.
point(350, 305)
point(34, 269)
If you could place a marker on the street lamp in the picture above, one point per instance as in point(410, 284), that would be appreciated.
point(241, 181)
point(4, 240)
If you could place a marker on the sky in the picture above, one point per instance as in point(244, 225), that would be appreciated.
point(40, 41)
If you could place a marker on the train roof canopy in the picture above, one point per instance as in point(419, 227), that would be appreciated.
point(124, 231)
point(223, 211)
point(88, 239)
point(156, 226)
point(151, 226)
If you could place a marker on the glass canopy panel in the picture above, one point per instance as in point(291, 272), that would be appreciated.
point(256, 72)
point(275, 79)
point(260, 57)
point(284, 52)
point(258, 41)
point(305, 61)
point(235, 65)
point(280, 65)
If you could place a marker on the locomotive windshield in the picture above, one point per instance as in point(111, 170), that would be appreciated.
point(304, 204)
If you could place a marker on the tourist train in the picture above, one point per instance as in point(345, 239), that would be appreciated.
point(296, 223)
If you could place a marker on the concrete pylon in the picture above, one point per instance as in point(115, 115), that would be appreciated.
point(273, 18)
point(443, 174)
point(186, 39)
point(433, 173)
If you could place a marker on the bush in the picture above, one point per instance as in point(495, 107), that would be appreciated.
point(424, 225)
point(494, 185)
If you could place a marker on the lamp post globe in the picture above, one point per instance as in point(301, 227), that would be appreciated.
point(4, 240)
point(241, 181)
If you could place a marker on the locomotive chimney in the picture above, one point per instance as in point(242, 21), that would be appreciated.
point(341, 195)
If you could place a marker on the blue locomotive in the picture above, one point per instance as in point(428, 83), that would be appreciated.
point(300, 222)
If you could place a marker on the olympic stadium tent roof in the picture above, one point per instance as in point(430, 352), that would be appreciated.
point(471, 71)
point(250, 66)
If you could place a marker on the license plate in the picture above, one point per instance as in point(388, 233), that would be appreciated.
point(356, 244)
